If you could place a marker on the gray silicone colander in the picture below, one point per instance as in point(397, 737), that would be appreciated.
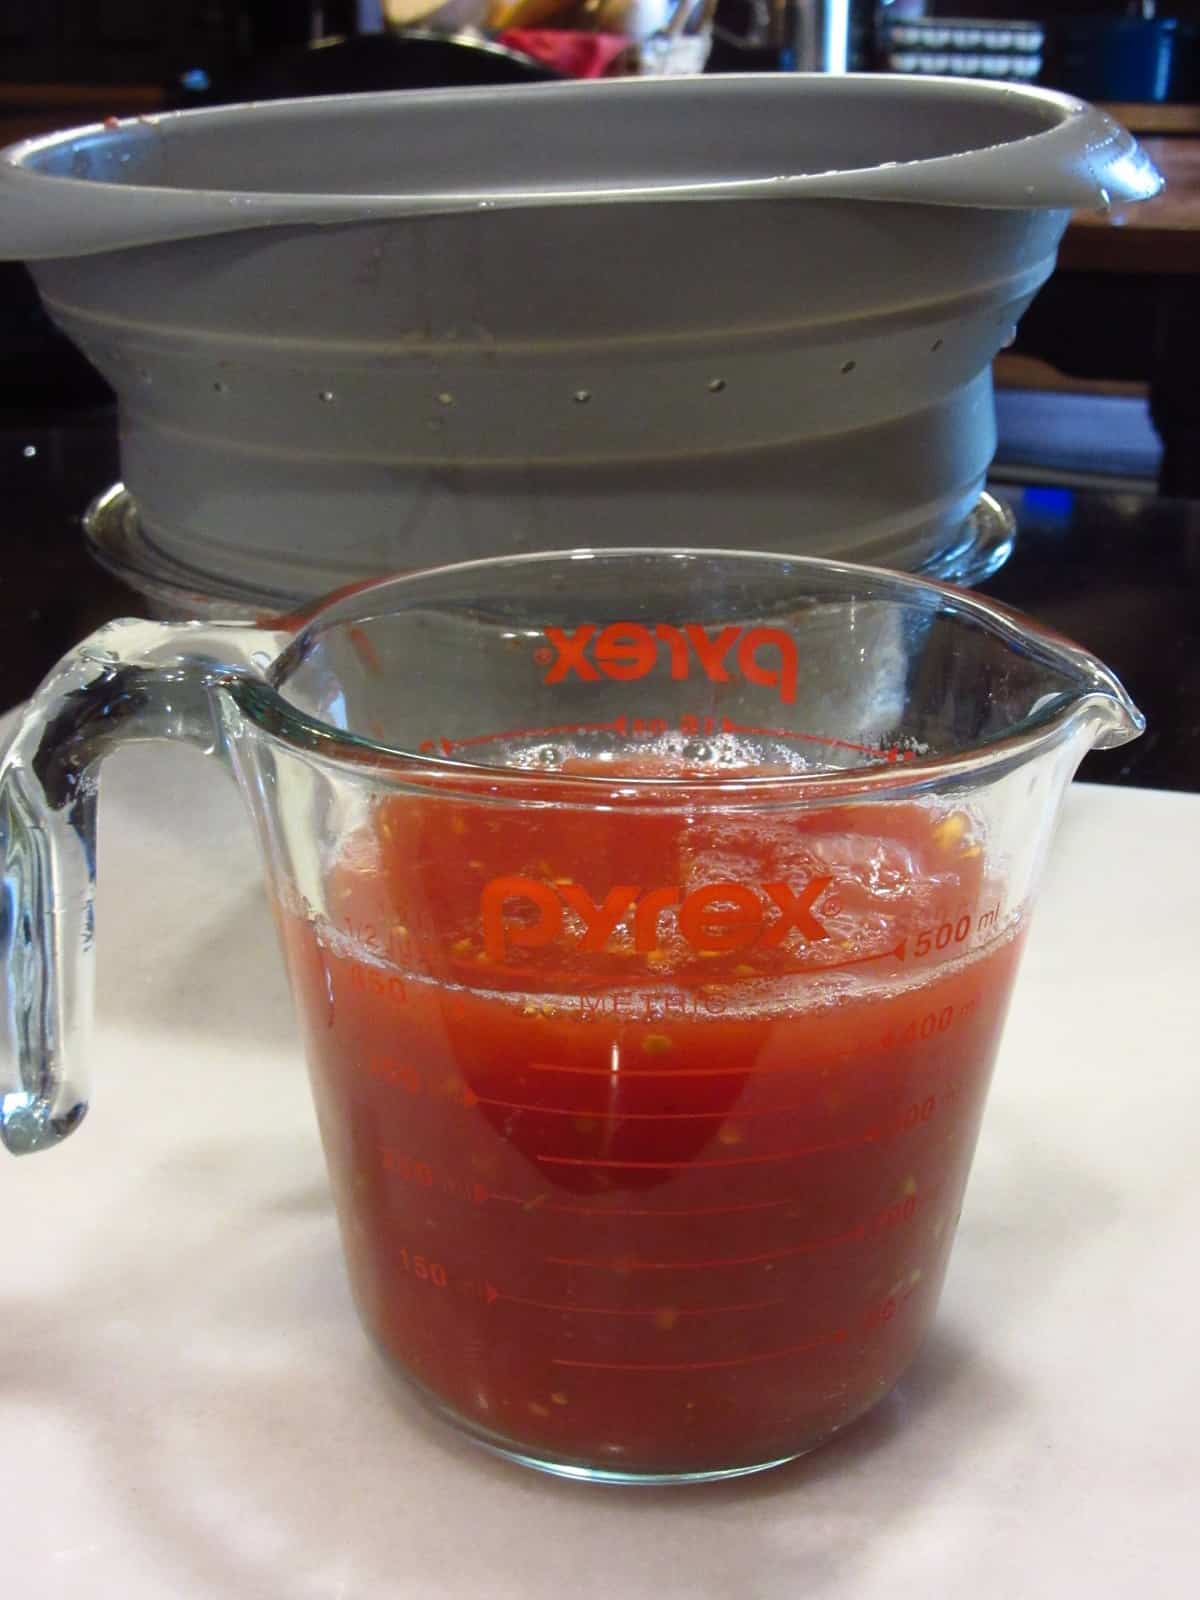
point(376, 332)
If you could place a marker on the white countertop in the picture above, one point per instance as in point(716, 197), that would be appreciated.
point(188, 1410)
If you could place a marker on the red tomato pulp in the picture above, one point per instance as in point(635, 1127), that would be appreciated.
point(649, 1131)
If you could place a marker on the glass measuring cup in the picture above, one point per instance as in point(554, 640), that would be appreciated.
point(652, 918)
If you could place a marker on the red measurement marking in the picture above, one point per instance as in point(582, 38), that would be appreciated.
point(618, 725)
point(530, 1204)
point(837, 966)
point(923, 946)
point(871, 1137)
point(618, 1264)
point(838, 1336)
point(492, 1294)
point(627, 1076)
point(807, 969)
point(728, 725)
point(624, 1076)
point(365, 650)
point(638, 1116)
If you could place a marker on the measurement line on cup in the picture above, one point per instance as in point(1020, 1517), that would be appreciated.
point(872, 1137)
point(623, 1264)
point(816, 969)
point(626, 1077)
point(526, 1203)
point(536, 1204)
point(493, 1295)
point(891, 753)
point(640, 1116)
point(837, 1336)
point(619, 725)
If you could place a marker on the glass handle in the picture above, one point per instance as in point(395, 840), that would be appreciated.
point(130, 681)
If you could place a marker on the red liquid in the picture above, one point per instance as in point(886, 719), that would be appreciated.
point(630, 1201)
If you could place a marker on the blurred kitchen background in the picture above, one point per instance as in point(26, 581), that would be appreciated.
point(1100, 385)
point(66, 58)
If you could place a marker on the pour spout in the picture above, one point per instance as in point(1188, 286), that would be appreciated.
point(1097, 696)
point(1117, 719)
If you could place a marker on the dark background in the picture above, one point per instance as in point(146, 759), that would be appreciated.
point(154, 42)
point(1120, 572)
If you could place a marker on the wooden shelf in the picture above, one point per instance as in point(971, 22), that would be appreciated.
point(1160, 235)
point(1015, 370)
point(27, 109)
point(1150, 118)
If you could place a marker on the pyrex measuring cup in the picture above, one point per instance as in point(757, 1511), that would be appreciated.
point(652, 917)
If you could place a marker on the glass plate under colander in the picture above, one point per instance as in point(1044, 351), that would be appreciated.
point(114, 534)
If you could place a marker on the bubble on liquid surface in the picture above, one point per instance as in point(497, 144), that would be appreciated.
point(669, 754)
point(546, 755)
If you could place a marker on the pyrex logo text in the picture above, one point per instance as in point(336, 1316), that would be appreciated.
point(628, 650)
point(523, 913)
